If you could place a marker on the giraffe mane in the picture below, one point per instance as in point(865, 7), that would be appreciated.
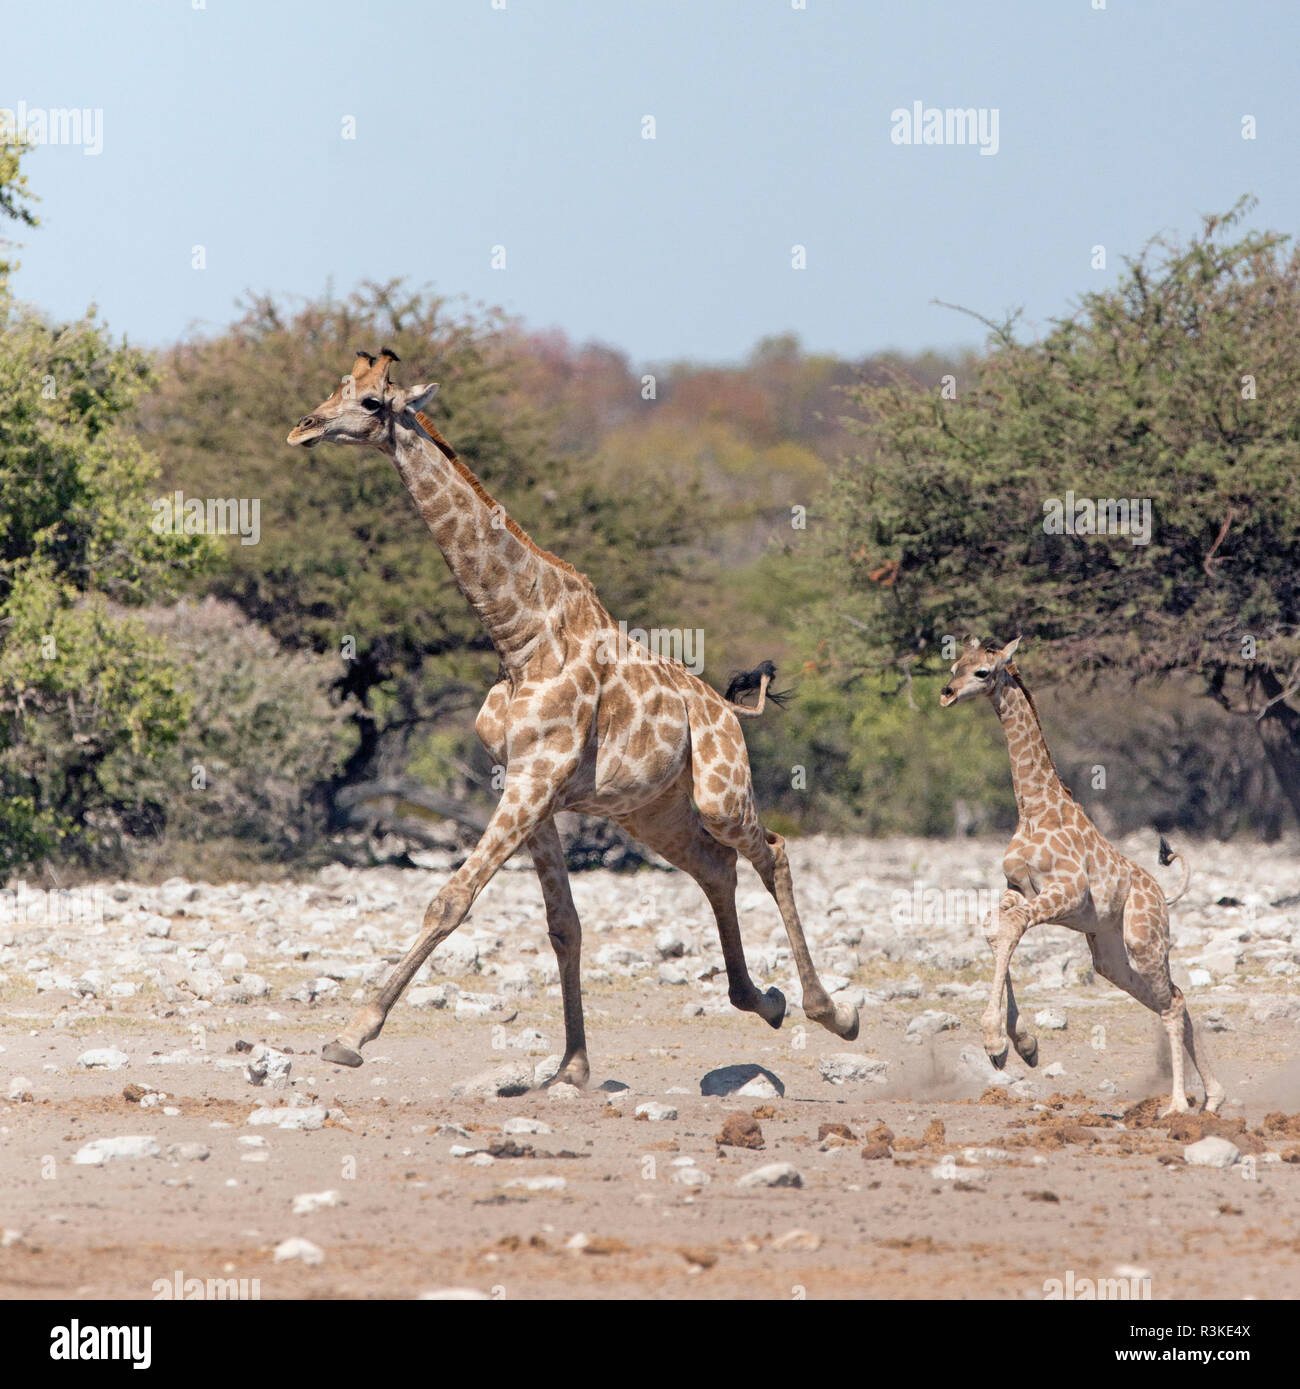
point(489, 501)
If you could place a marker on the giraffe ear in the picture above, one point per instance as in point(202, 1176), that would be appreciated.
point(1008, 651)
point(413, 398)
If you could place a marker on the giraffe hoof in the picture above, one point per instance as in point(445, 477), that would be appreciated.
point(845, 1024)
point(1028, 1050)
point(998, 1059)
point(340, 1055)
point(771, 1008)
point(1214, 1100)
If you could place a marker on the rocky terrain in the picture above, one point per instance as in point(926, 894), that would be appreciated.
point(166, 1120)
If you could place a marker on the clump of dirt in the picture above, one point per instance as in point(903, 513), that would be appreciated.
point(1287, 1125)
point(878, 1148)
point(840, 1130)
point(908, 1145)
point(1291, 1154)
point(133, 1094)
point(741, 1131)
point(999, 1095)
point(601, 1244)
point(1191, 1128)
point(1059, 1101)
point(935, 1135)
point(765, 1111)
point(1049, 1196)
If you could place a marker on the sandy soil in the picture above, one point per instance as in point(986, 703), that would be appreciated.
point(930, 1176)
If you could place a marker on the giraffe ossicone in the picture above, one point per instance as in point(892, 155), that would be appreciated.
point(642, 741)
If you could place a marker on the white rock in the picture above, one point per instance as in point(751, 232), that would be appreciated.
point(436, 996)
point(102, 1150)
point(103, 1059)
point(1053, 1019)
point(538, 1183)
point(188, 1152)
point(1211, 1152)
point(930, 1024)
point(454, 1295)
point(311, 1201)
point(773, 1174)
point(511, 1078)
point(266, 1066)
point(20, 1088)
point(302, 1250)
point(1054, 1070)
point(525, 1125)
point(672, 975)
point(655, 1113)
point(848, 1067)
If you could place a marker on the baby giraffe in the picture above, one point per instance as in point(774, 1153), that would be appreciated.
point(1060, 869)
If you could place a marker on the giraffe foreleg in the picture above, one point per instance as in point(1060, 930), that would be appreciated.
point(524, 804)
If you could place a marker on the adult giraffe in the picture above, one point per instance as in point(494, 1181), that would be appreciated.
point(581, 720)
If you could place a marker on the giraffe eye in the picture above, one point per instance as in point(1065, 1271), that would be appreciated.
point(371, 403)
point(981, 675)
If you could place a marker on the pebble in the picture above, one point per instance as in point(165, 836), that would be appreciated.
point(188, 1152)
point(538, 1183)
point(1211, 1152)
point(849, 1067)
point(930, 1024)
point(525, 1125)
point(102, 1150)
point(306, 1117)
point(20, 1089)
point(511, 1078)
point(311, 1201)
point(266, 1066)
point(103, 1059)
point(773, 1174)
point(302, 1250)
point(655, 1113)
point(1053, 1019)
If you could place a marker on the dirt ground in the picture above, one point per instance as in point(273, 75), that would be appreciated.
point(926, 1174)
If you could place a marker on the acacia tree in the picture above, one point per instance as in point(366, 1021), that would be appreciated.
point(1179, 387)
point(345, 566)
point(87, 698)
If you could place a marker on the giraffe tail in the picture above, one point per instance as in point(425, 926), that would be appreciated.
point(757, 679)
point(1167, 856)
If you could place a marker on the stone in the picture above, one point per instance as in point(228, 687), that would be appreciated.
point(1052, 1019)
point(312, 1201)
point(671, 975)
point(849, 1067)
point(266, 1066)
point(525, 1125)
point(538, 1183)
point(20, 1089)
point(300, 1250)
point(655, 1113)
point(188, 1152)
point(930, 1024)
point(804, 1241)
point(103, 1059)
point(749, 1081)
point(774, 1174)
point(454, 1295)
point(1211, 1152)
point(510, 1078)
point(102, 1150)
point(435, 996)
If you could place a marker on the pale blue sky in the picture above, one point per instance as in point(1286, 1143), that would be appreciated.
point(521, 127)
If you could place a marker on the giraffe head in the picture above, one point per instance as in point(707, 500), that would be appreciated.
point(363, 406)
point(980, 668)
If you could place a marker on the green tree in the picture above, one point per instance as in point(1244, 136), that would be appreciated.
point(1178, 388)
point(85, 694)
point(345, 566)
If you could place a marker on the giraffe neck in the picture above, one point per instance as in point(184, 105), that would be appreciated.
point(1033, 772)
point(496, 566)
